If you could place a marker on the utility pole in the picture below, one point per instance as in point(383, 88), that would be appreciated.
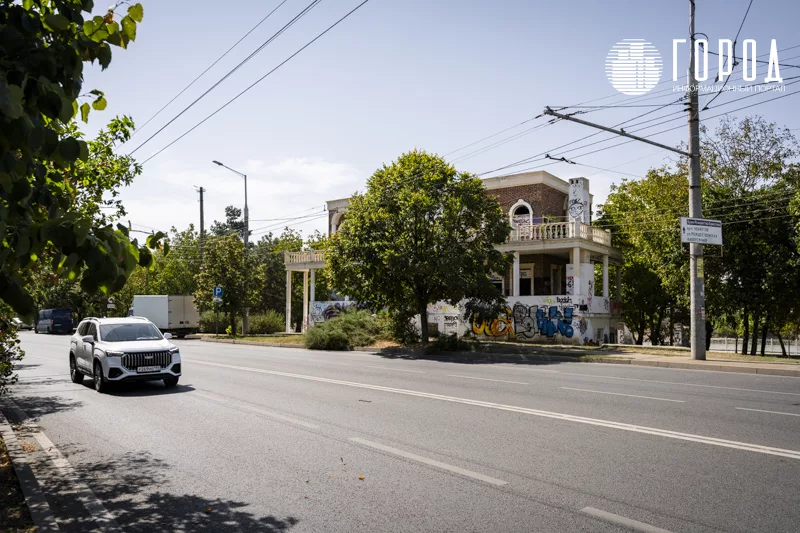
point(201, 190)
point(696, 276)
point(697, 282)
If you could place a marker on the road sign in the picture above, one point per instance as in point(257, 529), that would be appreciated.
point(218, 291)
point(217, 300)
point(701, 231)
point(111, 305)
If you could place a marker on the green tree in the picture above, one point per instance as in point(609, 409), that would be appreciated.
point(223, 265)
point(422, 232)
point(10, 351)
point(234, 223)
point(45, 44)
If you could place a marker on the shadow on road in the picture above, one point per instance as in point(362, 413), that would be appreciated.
point(38, 406)
point(134, 487)
point(145, 388)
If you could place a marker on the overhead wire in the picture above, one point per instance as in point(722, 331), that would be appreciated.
point(259, 80)
point(260, 22)
point(255, 52)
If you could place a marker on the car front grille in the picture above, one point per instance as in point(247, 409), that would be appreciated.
point(132, 361)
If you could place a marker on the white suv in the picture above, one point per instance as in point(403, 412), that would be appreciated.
point(113, 350)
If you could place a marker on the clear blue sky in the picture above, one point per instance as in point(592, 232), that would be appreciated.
point(430, 74)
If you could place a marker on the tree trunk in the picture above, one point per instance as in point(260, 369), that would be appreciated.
point(746, 335)
point(783, 348)
point(709, 332)
point(640, 332)
point(422, 308)
point(233, 323)
point(756, 320)
point(764, 332)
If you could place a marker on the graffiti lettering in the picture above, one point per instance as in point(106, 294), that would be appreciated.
point(562, 300)
point(550, 321)
point(322, 311)
point(499, 327)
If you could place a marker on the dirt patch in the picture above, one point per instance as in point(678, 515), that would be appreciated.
point(14, 516)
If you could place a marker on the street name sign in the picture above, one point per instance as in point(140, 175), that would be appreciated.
point(701, 231)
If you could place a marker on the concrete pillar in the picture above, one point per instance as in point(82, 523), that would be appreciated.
point(619, 283)
point(605, 276)
point(576, 270)
point(305, 300)
point(312, 295)
point(515, 280)
point(288, 301)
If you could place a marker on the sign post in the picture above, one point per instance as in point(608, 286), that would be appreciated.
point(217, 300)
point(701, 231)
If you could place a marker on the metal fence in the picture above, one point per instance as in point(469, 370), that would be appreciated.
point(773, 346)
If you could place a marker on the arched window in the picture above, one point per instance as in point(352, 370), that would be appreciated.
point(521, 213)
point(336, 222)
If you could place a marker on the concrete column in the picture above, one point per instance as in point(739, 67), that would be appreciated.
point(576, 270)
point(605, 276)
point(288, 301)
point(305, 300)
point(311, 295)
point(515, 280)
point(619, 283)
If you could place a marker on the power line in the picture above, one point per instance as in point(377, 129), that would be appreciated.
point(258, 80)
point(260, 22)
point(255, 52)
point(727, 59)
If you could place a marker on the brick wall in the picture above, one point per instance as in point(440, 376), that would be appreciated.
point(544, 200)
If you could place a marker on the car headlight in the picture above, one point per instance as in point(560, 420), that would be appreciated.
point(174, 349)
point(114, 353)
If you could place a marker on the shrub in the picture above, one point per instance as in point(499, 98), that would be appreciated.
point(10, 351)
point(322, 338)
point(269, 322)
point(351, 328)
point(451, 343)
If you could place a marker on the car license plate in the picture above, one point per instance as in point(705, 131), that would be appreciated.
point(142, 369)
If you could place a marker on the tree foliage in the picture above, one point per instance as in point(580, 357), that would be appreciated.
point(44, 161)
point(421, 233)
point(224, 265)
point(753, 282)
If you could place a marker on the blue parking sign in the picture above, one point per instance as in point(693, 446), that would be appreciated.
point(217, 292)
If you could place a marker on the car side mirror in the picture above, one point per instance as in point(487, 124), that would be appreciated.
point(88, 339)
point(168, 336)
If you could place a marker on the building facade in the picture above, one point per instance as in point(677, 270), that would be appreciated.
point(558, 288)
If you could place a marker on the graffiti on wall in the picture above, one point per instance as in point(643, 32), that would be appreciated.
point(322, 311)
point(526, 322)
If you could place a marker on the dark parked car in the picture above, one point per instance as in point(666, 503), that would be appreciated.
point(55, 321)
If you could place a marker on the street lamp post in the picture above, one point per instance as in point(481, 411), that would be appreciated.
point(245, 326)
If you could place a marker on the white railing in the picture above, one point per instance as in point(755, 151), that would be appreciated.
point(307, 256)
point(560, 231)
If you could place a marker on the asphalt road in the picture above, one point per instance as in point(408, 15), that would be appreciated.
point(271, 439)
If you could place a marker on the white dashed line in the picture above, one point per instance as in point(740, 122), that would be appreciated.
point(622, 521)
point(770, 412)
point(430, 462)
point(487, 379)
point(395, 369)
point(628, 395)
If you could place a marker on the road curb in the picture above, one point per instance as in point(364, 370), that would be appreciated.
point(40, 511)
point(714, 366)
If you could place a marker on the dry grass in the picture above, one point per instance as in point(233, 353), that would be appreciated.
point(14, 516)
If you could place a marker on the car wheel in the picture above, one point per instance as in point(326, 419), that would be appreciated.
point(171, 382)
point(48, 330)
point(75, 375)
point(100, 384)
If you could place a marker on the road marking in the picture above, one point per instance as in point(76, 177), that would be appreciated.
point(771, 412)
point(397, 369)
point(243, 405)
point(430, 462)
point(89, 499)
point(487, 379)
point(757, 448)
point(678, 383)
point(622, 521)
point(620, 394)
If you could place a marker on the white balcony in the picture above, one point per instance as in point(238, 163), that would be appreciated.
point(559, 231)
point(305, 260)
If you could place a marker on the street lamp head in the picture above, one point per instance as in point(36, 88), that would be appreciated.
point(218, 163)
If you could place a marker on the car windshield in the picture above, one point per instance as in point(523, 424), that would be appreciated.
point(129, 332)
